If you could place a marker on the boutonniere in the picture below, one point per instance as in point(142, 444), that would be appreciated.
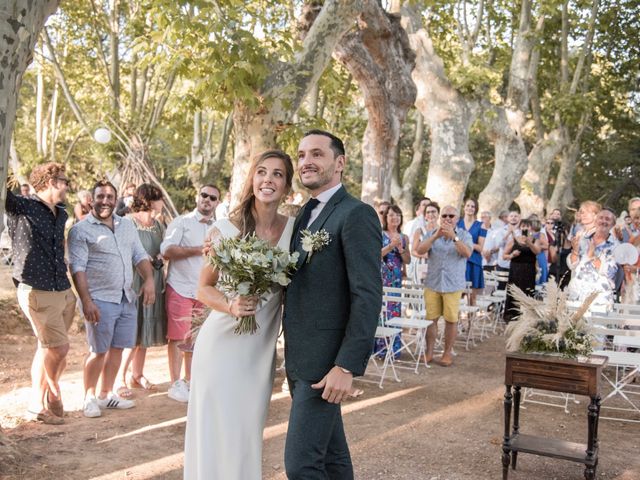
point(314, 242)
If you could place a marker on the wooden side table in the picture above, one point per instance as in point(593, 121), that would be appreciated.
point(558, 374)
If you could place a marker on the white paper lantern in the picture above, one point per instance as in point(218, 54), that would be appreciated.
point(102, 135)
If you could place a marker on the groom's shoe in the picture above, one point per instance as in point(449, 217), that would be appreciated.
point(179, 391)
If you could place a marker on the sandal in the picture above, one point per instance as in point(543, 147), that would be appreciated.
point(141, 382)
point(47, 417)
point(124, 392)
point(445, 362)
point(55, 406)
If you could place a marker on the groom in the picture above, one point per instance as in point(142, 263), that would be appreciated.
point(331, 311)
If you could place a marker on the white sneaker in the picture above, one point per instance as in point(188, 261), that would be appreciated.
point(179, 391)
point(91, 408)
point(114, 401)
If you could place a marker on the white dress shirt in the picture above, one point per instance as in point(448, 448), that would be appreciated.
point(188, 230)
point(323, 198)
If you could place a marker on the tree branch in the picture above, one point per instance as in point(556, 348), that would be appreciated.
point(75, 108)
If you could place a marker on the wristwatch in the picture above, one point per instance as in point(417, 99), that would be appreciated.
point(344, 370)
point(456, 239)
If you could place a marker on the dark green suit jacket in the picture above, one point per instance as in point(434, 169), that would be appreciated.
point(333, 302)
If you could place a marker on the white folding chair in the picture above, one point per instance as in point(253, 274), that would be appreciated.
point(616, 333)
point(412, 321)
point(387, 335)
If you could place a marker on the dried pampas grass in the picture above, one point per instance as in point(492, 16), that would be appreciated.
point(547, 325)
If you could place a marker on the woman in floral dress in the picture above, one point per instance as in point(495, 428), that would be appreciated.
point(395, 255)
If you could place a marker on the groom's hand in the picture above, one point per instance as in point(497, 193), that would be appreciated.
point(336, 384)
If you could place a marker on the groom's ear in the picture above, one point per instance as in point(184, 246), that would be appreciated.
point(341, 160)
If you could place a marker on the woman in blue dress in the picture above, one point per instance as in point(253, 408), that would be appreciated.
point(469, 223)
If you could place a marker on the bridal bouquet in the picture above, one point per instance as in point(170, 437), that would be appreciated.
point(250, 266)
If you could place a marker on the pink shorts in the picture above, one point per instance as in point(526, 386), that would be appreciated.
point(180, 311)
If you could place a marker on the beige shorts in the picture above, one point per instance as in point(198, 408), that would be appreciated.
point(445, 305)
point(50, 314)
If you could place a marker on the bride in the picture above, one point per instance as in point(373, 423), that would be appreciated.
point(232, 375)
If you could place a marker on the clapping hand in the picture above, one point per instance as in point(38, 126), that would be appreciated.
point(396, 242)
point(447, 231)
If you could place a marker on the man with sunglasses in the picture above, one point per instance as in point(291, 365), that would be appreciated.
point(182, 247)
point(36, 227)
point(448, 248)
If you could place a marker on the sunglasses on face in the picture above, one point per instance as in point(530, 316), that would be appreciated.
point(448, 215)
point(63, 180)
point(213, 198)
point(432, 212)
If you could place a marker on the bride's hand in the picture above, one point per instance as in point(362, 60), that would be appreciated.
point(243, 306)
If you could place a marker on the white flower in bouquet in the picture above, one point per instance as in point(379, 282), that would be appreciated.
point(314, 242)
point(249, 266)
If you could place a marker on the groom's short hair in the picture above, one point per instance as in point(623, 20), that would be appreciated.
point(336, 144)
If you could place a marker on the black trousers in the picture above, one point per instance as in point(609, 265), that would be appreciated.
point(316, 447)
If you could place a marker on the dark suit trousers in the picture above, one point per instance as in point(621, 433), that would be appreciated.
point(316, 447)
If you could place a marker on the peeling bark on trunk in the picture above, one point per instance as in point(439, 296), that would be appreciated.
point(449, 114)
point(380, 59)
point(286, 87)
point(20, 25)
point(508, 122)
point(563, 191)
point(536, 179)
point(402, 191)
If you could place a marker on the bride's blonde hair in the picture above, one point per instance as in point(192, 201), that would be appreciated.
point(243, 215)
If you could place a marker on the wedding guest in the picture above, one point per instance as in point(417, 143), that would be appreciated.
point(490, 250)
point(381, 209)
point(182, 247)
point(83, 207)
point(431, 214)
point(395, 256)
point(541, 258)
point(630, 231)
point(449, 248)
point(222, 210)
point(485, 218)
point(417, 222)
point(498, 242)
point(410, 227)
point(25, 190)
point(44, 292)
point(124, 202)
point(521, 251)
point(152, 319)
point(474, 273)
point(585, 219)
point(103, 250)
point(593, 264)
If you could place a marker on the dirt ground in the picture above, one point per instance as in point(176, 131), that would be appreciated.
point(441, 424)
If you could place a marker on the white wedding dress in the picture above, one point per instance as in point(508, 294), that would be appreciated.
point(231, 384)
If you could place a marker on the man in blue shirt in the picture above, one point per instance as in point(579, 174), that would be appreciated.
point(448, 248)
point(103, 248)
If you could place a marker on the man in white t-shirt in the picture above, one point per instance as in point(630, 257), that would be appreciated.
point(182, 246)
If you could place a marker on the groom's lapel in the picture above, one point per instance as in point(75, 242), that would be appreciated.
point(317, 224)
